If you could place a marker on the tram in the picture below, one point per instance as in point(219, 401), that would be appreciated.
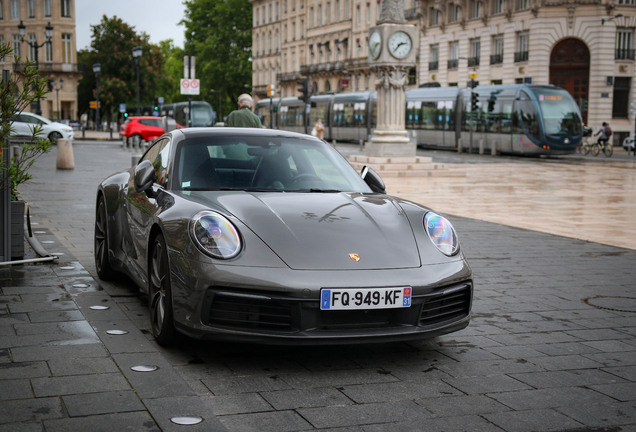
point(511, 119)
point(202, 113)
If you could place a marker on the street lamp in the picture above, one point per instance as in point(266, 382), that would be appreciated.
point(610, 19)
point(97, 69)
point(48, 33)
point(57, 91)
point(137, 52)
point(220, 114)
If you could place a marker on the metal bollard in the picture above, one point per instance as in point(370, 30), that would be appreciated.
point(134, 159)
point(459, 145)
point(493, 149)
point(481, 146)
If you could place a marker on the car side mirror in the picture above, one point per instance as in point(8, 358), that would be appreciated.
point(372, 179)
point(145, 177)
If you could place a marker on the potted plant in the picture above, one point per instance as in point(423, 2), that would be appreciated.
point(17, 91)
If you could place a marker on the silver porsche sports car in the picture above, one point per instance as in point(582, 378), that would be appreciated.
point(269, 236)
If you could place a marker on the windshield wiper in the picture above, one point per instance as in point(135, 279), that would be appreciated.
point(316, 190)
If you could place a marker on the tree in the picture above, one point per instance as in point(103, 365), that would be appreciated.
point(16, 93)
point(111, 46)
point(219, 34)
point(172, 72)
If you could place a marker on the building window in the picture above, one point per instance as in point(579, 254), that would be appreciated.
point(285, 10)
point(523, 4)
point(16, 45)
point(622, 91)
point(626, 2)
point(524, 80)
point(15, 9)
point(475, 49)
point(347, 9)
point(499, 6)
point(302, 29)
point(498, 50)
point(455, 13)
point(270, 42)
point(476, 9)
point(453, 63)
point(319, 15)
point(624, 44)
point(1, 14)
point(436, 17)
point(328, 13)
point(277, 9)
point(496, 82)
point(358, 49)
point(377, 11)
point(1, 39)
point(67, 51)
point(32, 42)
point(358, 15)
point(293, 5)
point(66, 8)
point(311, 18)
point(31, 8)
point(337, 10)
point(368, 13)
point(522, 47)
point(294, 31)
point(433, 63)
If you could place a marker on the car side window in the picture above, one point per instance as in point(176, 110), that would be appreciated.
point(158, 155)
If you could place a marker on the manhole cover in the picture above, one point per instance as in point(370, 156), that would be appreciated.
point(614, 303)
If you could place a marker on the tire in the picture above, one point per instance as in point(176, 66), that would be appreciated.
point(102, 263)
point(608, 150)
point(160, 294)
point(54, 136)
point(596, 149)
point(585, 149)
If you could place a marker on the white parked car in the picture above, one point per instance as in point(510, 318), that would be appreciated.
point(628, 143)
point(24, 123)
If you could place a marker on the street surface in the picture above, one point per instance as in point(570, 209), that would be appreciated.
point(551, 346)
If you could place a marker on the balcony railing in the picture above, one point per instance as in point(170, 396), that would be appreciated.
point(289, 76)
point(453, 64)
point(496, 59)
point(54, 67)
point(521, 56)
point(434, 65)
point(262, 88)
point(473, 61)
point(624, 54)
point(336, 66)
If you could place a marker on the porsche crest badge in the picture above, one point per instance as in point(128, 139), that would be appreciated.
point(354, 257)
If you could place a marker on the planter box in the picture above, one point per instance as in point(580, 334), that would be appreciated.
point(17, 229)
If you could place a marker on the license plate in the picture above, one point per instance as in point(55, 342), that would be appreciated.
point(365, 298)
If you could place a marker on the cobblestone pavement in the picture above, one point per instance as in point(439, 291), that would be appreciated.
point(552, 343)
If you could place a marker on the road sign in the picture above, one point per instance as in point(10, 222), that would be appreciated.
point(161, 100)
point(122, 108)
point(472, 75)
point(190, 86)
point(95, 104)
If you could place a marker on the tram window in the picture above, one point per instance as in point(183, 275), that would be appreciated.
point(493, 112)
point(447, 112)
point(429, 116)
point(360, 114)
point(320, 112)
point(374, 114)
point(559, 111)
point(506, 116)
point(410, 115)
point(529, 117)
point(348, 116)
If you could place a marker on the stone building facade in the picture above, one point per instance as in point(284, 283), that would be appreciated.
point(57, 61)
point(585, 46)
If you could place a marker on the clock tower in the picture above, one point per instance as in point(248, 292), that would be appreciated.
point(392, 45)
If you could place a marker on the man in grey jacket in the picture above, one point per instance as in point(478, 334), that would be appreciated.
point(243, 116)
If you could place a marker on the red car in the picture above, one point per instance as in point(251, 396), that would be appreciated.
point(144, 128)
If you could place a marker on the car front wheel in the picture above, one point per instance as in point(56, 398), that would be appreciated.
point(160, 294)
point(54, 136)
point(102, 265)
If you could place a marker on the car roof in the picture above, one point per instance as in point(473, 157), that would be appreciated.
point(254, 132)
point(143, 118)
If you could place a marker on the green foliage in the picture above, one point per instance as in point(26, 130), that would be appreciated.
point(111, 46)
point(18, 92)
point(172, 72)
point(219, 34)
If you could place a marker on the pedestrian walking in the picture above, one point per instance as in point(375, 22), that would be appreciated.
point(320, 129)
point(243, 116)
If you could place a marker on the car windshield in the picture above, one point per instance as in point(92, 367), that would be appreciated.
point(263, 163)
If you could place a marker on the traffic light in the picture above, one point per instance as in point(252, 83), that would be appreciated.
point(583, 105)
point(304, 89)
point(491, 105)
point(155, 106)
point(271, 90)
point(125, 115)
point(473, 101)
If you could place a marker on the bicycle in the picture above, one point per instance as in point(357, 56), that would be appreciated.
point(608, 148)
point(586, 146)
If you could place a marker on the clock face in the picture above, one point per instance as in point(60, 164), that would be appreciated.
point(400, 44)
point(375, 45)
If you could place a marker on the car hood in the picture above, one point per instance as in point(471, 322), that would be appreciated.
point(327, 231)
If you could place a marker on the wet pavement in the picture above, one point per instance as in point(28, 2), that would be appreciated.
point(551, 346)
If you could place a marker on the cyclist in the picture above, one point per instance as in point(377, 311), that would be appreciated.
point(605, 133)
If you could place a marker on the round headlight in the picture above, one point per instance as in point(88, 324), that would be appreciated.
point(214, 235)
point(441, 233)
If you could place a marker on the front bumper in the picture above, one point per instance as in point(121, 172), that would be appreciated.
point(282, 306)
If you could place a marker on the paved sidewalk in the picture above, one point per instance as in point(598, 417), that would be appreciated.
point(536, 357)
